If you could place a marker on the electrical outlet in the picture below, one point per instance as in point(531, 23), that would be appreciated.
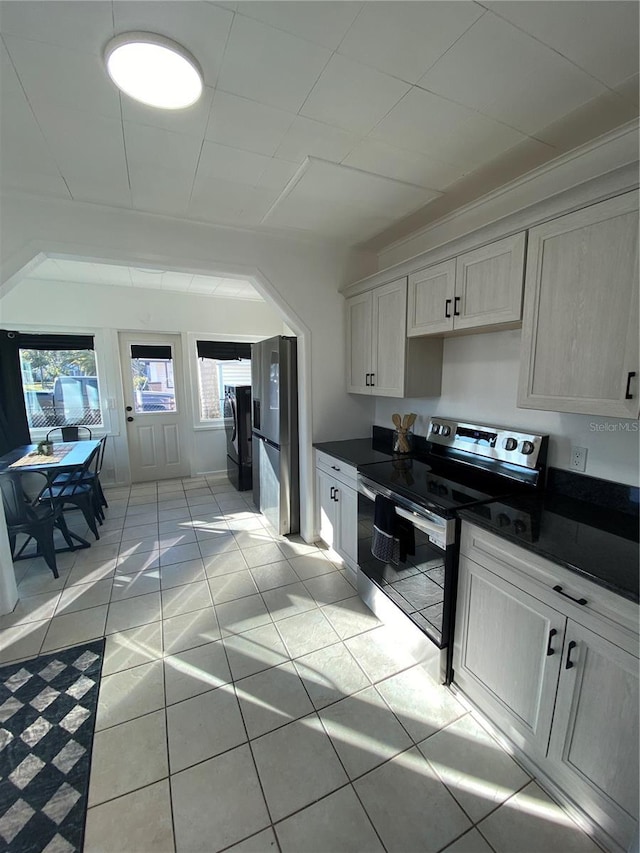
point(578, 461)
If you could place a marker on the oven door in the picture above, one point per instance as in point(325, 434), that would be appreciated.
point(423, 587)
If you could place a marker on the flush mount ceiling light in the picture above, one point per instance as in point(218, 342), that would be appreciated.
point(154, 70)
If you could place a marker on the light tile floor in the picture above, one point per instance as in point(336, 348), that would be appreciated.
point(250, 702)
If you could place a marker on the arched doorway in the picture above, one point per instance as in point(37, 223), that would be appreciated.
point(290, 322)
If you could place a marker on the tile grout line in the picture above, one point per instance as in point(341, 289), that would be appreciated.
point(253, 758)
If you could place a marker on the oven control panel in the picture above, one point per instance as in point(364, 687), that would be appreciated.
point(501, 443)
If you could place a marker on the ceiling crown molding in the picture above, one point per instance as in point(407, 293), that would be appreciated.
point(602, 168)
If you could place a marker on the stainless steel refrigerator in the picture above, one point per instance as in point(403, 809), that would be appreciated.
point(274, 383)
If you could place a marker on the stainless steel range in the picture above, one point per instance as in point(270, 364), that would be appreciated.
point(462, 464)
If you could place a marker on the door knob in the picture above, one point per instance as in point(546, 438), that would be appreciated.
point(129, 418)
point(129, 408)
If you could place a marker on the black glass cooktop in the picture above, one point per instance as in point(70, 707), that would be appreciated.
point(437, 484)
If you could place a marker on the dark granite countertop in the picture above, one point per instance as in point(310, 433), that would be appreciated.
point(355, 451)
point(587, 525)
point(599, 544)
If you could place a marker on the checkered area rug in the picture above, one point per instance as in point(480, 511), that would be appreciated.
point(47, 718)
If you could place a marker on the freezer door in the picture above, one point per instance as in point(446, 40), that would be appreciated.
point(274, 497)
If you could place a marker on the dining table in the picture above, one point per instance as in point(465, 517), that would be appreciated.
point(66, 457)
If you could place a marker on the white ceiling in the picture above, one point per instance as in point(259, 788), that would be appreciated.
point(114, 275)
point(337, 118)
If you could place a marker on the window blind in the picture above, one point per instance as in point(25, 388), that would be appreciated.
point(223, 350)
point(150, 352)
point(27, 340)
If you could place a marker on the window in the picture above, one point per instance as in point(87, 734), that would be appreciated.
point(152, 378)
point(220, 363)
point(213, 375)
point(59, 380)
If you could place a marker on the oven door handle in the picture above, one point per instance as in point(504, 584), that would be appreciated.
point(366, 492)
point(430, 528)
point(422, 524)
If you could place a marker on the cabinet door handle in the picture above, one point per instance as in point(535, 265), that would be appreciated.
point(552, 634)
point(334, 468)
point(456, 313)
point(627, 394)
point(447, 305)
point(366, 381)
point(581, 601)
point(373, 384)
point(333, 488)
point(335, 497)
point(569, 663)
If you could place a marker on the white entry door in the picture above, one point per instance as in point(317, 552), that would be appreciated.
point(154, 397)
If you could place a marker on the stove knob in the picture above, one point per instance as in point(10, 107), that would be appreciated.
point(435, 428)
point(510, 443)
point(445, 430)
point(527, 448)
point(519, 526)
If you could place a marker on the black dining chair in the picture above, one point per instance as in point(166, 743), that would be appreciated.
point(71, 433)
point(78, 490)
point(92, 478)
point(98, 486)
point(35, 517)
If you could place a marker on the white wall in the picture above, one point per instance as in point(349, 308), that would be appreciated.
point(480, 382)
point(71, 306)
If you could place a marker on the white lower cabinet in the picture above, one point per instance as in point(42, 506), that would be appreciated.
point(594, 739)
point(327, 510)
point(337, 509)
point(560, 679)
point(503, 653)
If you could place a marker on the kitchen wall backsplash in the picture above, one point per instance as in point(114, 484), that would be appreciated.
point(602, 493)
point(480, 383)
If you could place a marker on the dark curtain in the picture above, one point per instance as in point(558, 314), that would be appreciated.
point(53, 342)
point(150, 352)
point(14, 427)
point(223, 350)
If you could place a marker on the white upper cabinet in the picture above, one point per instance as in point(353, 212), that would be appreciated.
point(381, 361)
point(481, 288)
point(489, 285)
point(389, 305)
point(431, 294)
point(580, 326)
point(359, 329)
